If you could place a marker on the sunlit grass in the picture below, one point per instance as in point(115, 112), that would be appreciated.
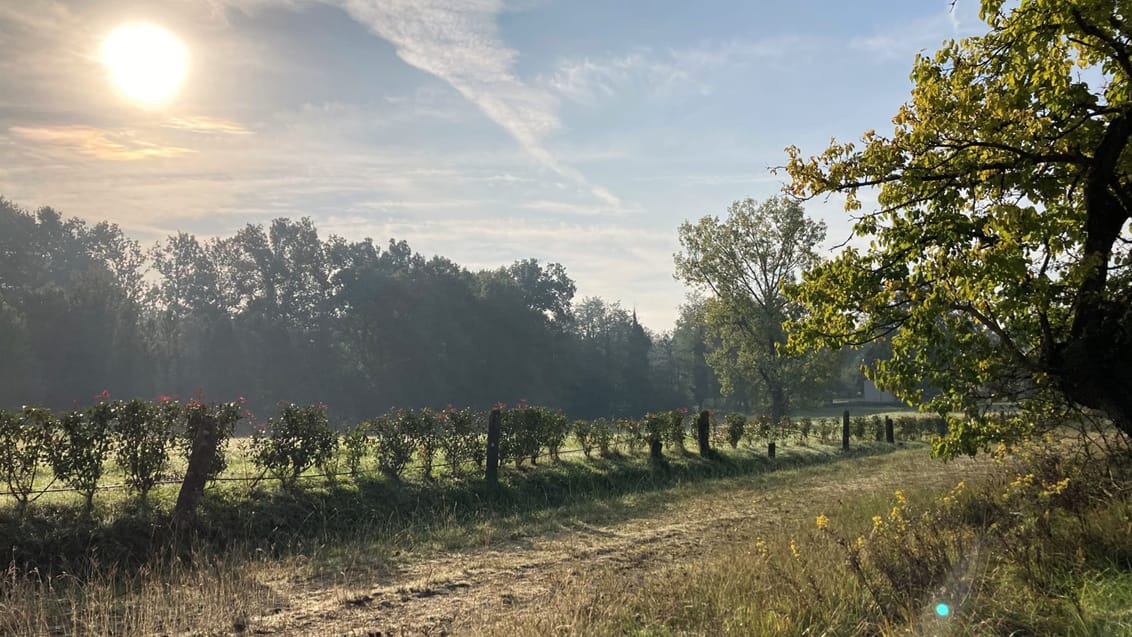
point(785, 573)
point(1000, 553)
point(116, 570)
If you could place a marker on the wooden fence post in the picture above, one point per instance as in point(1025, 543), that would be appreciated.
point(492, 475)
point(889, 430)
point(845, 431)
point(770, 449)
point(204, 445)
point(703, 433)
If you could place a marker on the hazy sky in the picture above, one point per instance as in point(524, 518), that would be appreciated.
point(582, 132)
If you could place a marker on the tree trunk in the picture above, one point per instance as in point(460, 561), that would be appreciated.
point(778, 402)
point(200, 459)
point(778, 406)
point(1093, 367)
point(493, 424)
point(1097, 372)
point(703, 433)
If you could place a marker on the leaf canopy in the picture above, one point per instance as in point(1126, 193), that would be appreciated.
point(999, 259)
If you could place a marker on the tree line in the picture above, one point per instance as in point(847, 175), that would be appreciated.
point(279, 313)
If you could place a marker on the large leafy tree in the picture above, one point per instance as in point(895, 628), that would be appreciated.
point(68, 308)
point(999, 260)
point(743, 262)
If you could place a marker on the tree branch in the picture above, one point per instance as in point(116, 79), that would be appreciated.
point(997, 329)
point(1119, 50)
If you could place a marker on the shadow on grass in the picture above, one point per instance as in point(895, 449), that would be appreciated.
point(377, 510)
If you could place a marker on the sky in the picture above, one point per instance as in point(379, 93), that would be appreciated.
point(582, 132)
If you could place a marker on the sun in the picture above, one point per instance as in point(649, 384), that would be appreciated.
point(146, 62)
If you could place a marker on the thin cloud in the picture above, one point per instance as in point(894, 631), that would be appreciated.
point(588, 80)
point(502, 178)
point(420, 204)
point(925, 34)
point(714, 179)
point(203, 124)
point(97, 143)
point(564, 207)
point(609, 198)
point(645, 71)
point(458, 42)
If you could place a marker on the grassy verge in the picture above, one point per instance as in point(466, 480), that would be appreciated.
point(1043, 546)
point(128, 583)
point(403, 515)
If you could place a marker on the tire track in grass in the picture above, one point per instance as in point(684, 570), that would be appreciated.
point(453, 592)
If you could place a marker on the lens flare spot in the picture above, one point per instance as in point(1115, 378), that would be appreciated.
point(943, 610)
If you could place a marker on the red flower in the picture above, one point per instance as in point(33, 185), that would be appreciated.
point(500, 406)
point(105, 395)
point(321, 406)
point(522, 403)
point(684, 410)
point(165, 399)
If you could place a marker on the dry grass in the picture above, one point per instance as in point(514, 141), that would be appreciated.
point(1015, 551)
point(210, 597)
point(738, 554)
point(424, 575)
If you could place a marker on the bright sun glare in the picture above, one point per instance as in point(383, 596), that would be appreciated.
point(146, 62)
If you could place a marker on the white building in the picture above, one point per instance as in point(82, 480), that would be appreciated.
point(874, 395)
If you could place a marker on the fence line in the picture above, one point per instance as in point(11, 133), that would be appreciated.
point(178, 479)
point(265, 477)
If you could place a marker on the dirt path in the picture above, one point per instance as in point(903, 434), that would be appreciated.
point(434, 596)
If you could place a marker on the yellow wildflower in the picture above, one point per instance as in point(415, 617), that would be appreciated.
point(794, 549)
point(1055, 488)
point(761, 548)
point(1000, 452)
point(822, 521)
